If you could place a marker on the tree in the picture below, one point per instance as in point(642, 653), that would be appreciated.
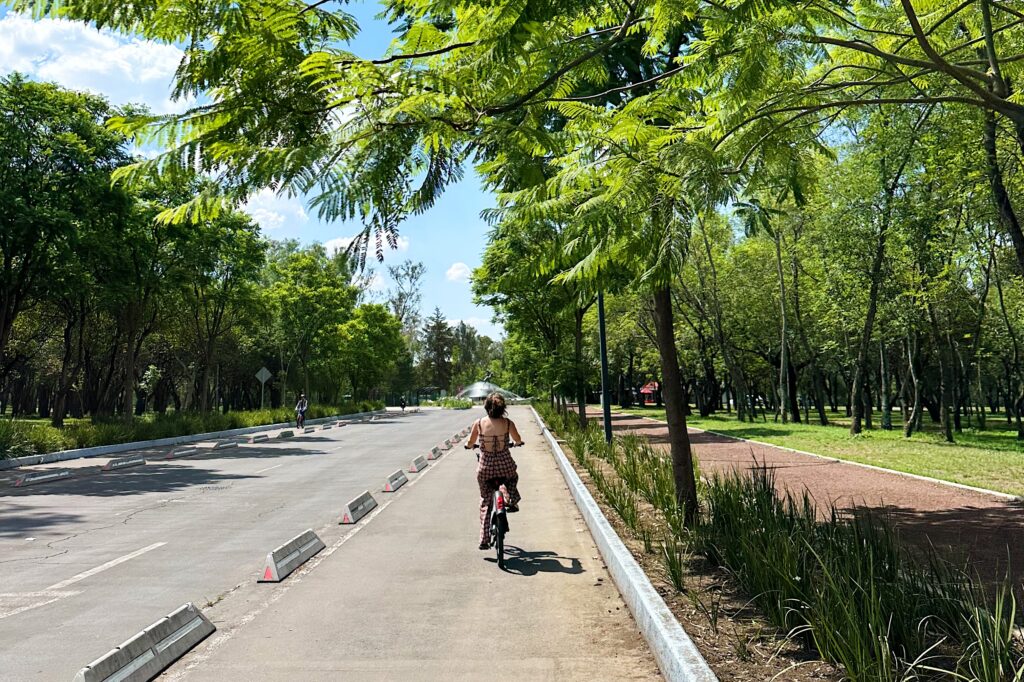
point(405, 298)
point(437, 341)
point(56, 158)
point(370, 346)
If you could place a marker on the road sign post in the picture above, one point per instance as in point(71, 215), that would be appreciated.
point(263, 375)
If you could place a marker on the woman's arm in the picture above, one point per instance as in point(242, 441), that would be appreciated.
point(514, 432)
point(474, 435)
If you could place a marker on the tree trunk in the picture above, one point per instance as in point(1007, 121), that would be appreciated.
point(581, 385)
point(884, 389)
point(945, 389)
point(675, 412)
point(860, 368)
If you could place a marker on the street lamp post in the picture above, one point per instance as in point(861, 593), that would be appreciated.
point(606, 407)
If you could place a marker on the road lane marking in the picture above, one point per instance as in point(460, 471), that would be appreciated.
point(99, 569)
point(12, 604)
point(269, 468)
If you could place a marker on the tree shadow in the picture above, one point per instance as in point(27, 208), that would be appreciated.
point(16, 520)
point(986, 540)
point(518, 561)
point(154, 477)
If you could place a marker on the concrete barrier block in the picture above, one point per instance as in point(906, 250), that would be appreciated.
point(341, 424)
point(435, 453)
point(358, 508)
point(308, 429)
point(418, 465)
point(148, 653)
point(225, 444)
point(258, 438)
point(282, 561)
point(325, 427)
point(395, 481)
point(41, 477)
point(287, 433)
point(124, 462)
point(182, 452)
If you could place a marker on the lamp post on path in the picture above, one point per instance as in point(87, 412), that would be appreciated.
point(606, 408)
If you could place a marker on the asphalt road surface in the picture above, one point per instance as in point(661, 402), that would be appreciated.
point(403, 595)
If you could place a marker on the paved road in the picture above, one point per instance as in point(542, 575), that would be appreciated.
point(185, 530)
point(407, 596)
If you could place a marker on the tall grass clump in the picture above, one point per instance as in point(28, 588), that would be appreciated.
point(849, 589)
point(841, 583)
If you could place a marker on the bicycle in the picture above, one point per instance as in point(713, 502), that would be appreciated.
point(498, 513)
point(300, 420)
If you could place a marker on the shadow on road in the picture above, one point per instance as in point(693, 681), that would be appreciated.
point(17, 521)
point(153, 477)
point(518, 561)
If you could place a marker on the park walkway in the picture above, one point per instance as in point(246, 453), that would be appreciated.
point(987, 530)
point(410, 597)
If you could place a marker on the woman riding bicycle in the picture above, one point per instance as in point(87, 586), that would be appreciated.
point(496, 461)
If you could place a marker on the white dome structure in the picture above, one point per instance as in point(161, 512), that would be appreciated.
point(479, 391)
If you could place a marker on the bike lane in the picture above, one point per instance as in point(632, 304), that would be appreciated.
point(409, 596)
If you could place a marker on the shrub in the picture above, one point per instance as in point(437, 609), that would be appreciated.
point(450, 403)
point(21, 438)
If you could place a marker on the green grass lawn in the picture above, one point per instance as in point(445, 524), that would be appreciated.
point(992, 459)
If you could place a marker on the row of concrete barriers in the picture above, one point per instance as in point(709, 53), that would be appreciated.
point(37, 477)
point(150, 652)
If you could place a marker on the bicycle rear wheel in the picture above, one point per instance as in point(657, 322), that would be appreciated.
point(499, 546)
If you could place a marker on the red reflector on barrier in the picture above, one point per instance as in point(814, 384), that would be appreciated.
point(267, 575)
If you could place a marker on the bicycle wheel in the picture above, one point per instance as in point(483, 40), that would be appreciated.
point(499, 546)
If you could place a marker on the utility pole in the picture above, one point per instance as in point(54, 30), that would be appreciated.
point(606, 407)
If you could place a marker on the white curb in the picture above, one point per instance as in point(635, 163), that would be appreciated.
point(105, 450)
point(677, 656)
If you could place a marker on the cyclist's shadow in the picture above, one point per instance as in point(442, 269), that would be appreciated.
point(521, 562)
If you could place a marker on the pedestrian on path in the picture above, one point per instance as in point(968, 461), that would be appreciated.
point(496, 461)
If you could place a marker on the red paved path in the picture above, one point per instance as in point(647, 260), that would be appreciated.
point(987, 529)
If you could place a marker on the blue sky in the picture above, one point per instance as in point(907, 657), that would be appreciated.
point(449, 239)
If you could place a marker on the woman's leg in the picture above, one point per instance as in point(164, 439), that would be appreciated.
point(513, 489)
point(486, 495)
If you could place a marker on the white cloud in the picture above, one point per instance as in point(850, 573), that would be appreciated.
point(337, 244)
point(342, 243)
point(82, 58)
point(458, 272)
point(273, 212)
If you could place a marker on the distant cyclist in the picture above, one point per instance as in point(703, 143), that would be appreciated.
point(401, 403)
point(300, 411)
point(496, 461)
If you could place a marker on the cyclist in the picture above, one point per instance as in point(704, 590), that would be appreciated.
point(496, 461)
point(401, 403)
point(300, 411)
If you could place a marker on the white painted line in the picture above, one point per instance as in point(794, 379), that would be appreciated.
point(14, 603)
point(99, 569)
point(269, 468)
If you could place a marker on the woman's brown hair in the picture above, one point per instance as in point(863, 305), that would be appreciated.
point(495, 406)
